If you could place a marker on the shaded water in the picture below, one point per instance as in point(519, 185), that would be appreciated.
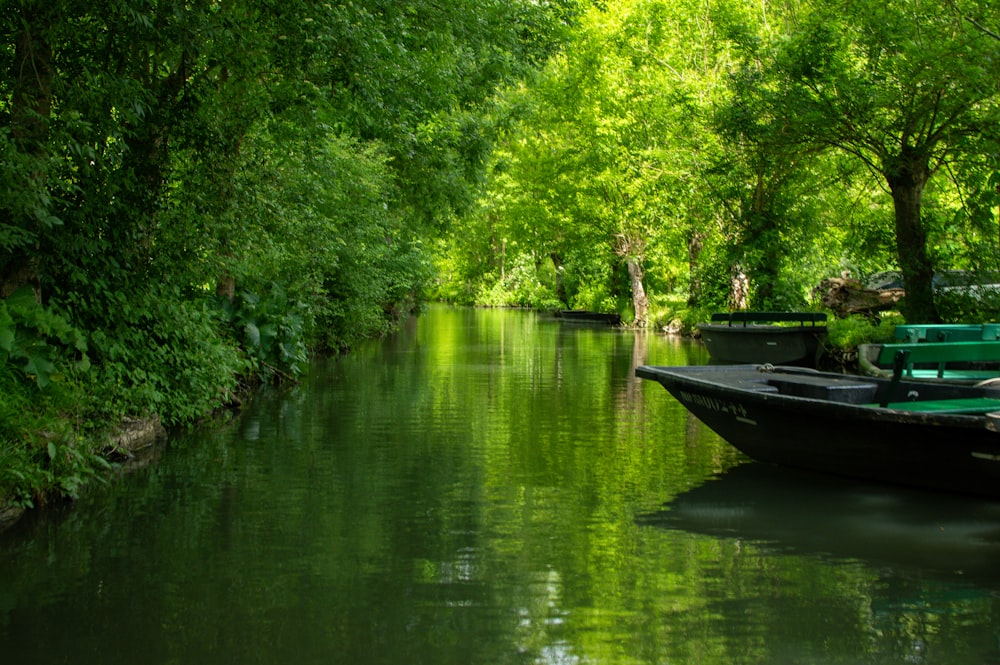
point(494, 487)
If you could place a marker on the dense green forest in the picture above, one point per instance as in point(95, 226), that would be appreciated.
point(197, 194)
point(735, 154)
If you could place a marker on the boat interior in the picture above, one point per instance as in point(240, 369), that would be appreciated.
point(923, 396)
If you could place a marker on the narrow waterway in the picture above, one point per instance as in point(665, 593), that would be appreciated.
point(491, 487)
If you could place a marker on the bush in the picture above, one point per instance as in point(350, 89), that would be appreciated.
point(156, 351)
point(43, 372)
point(37, 341)
point(270, 329)
point(522, 286)
point(849, 333)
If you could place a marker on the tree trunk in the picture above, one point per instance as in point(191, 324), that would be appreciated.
point(763, 269)
point(32, 76)
point(739, 289)
point(31, 104)
point(906, 177)
point(696, 242)
point(632, 249)
point(557, 263)
point(147, 158)
point(226, 287)
point(847, 296)
point(639, 300)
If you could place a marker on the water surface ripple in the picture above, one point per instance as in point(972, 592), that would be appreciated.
point(494, 487)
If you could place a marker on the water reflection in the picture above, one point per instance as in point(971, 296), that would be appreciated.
point(920, 571)
point(485, 487)
point(784, 510)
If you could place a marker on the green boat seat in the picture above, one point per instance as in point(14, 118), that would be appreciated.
point(939, 354)
point(905, 356)
point(954, 374)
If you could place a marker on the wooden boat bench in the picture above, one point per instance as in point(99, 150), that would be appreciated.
point(903, 357)
point(844, 392)
point(801, 318)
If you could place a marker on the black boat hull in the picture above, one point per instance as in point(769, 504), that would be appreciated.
point(950, 452)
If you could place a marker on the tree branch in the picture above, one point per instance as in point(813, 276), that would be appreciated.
point(982, 28)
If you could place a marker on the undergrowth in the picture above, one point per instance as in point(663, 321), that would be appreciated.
point(76, 367)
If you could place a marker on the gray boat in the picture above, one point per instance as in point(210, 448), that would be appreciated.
point(759, 337)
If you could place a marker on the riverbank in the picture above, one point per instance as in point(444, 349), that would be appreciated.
point(130, 441)
point(62, 453)
point(81, 384)
point(132, 445)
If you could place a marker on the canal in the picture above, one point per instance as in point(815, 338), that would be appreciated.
point(493, 487)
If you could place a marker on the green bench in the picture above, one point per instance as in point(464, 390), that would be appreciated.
point(940, 354)
point(949, 332)
point(801, 318)
point(904, 357)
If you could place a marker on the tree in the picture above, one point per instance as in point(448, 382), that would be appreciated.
point(156, 152)
point(31, 75)
point(905, 87)
point(760, 176)
point(598, 173)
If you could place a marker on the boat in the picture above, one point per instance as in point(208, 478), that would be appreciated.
point(920, 534)
point(585, 316)
point(953, 361)
point(930, 435)
point(757, 337)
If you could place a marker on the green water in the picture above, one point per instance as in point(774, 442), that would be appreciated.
point(493, 487)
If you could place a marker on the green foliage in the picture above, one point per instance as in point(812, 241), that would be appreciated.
point(23, 196)
point(591, 172)
point(900, 89)
point(271, 330)
point(43, 448)
point(523, 285)
point(156, 352)
point(19, 475)
point(698, 138)
point(37, 341)
point(151, 152)
point(849, 332)
point(974, 305)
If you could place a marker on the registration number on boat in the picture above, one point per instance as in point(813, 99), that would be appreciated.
point(734, 409)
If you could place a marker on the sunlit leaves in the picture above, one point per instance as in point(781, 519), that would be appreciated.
point(607, 147)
